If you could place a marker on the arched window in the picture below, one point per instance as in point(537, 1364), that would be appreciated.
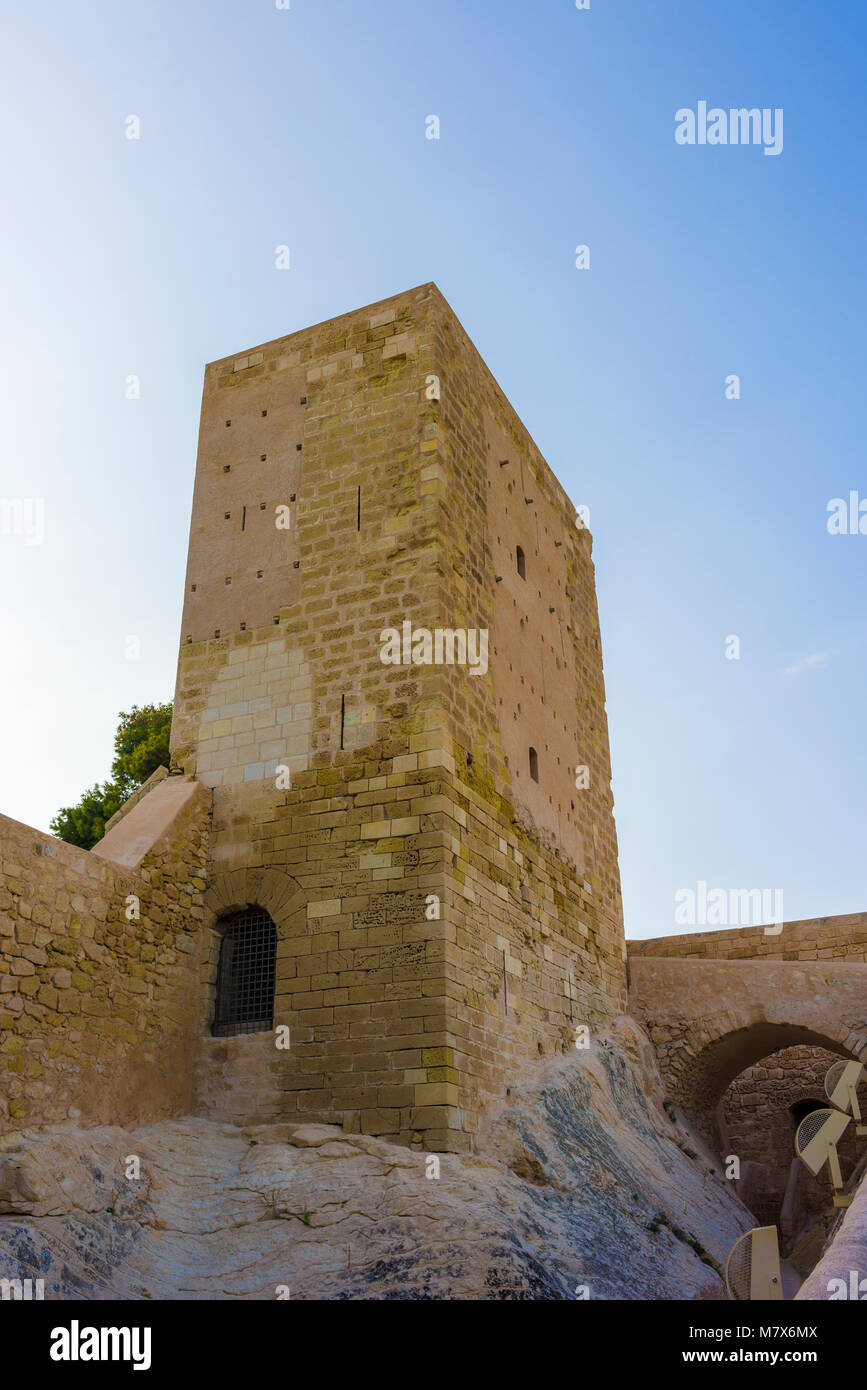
point(534, 765)
point(245, 978)
point(519, 560)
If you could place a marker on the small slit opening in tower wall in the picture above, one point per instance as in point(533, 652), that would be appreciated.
point(243, 518)
point(342, 717)
point(358, 510)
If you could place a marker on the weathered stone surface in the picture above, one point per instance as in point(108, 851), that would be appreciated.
point(104, 961)
point(845, 1256)
point(723, 1016)
point(149, 821)
point(844, 937)
point(406, 782)
point(583, 1180)
point(312, 1136)
point(57, 1171)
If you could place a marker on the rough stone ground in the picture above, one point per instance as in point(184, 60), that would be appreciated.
point(845, 1252)
point(583, 1180)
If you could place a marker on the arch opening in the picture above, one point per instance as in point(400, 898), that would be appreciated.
point(758, 1117)
point(716, 1066)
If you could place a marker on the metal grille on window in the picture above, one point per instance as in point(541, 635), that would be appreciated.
point(245, 978)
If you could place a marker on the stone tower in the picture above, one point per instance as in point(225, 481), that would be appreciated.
point(446, 898)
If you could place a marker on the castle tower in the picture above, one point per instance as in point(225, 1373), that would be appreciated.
point(446, 899)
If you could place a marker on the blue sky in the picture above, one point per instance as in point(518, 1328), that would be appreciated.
point(306, 127)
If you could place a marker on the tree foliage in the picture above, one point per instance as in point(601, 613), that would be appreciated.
point(141, 745)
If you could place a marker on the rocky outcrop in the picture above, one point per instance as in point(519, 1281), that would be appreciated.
point(841, 1273)
point(583, 1187)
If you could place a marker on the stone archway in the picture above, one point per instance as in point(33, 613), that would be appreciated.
point(759, 1116)
point(245, 1078)
point(711, 1019)
point(282, 898)
point(702, 1078)
point(272, 888)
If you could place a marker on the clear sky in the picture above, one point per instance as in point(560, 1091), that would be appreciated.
point(305, 127)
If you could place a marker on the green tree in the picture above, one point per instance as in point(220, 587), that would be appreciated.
point(141, 745)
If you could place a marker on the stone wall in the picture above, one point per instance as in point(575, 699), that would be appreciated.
point(759, 1127)
point(813, 938)
point(711, 1019)
point(753, 1020)
point(841, 1273)
point(581, 1179)
point(97, 1012)
point(535, 943)
point(345, 856)
point(444, 920)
